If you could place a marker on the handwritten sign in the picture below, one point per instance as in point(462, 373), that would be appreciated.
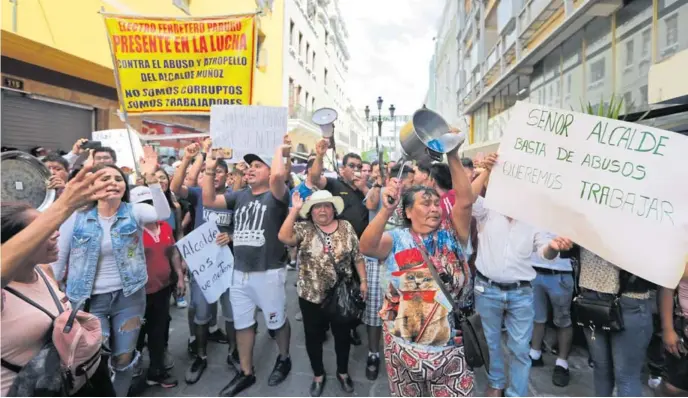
point(248, 129)
point(210, 265)
point(118, 140)
point(618, 189)
point(182, 65)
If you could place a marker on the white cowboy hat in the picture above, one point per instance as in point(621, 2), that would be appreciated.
point(322, 196)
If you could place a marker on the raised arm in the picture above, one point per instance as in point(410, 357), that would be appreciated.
point(210, 197)
point(82, 189)
point(318, 178)
point(479, 183)
point(279, 171)
point(287, 233)
point(161, 208)
point(177, 184)
point(548, 246)
point(461, 211)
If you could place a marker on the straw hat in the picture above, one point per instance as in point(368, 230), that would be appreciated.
point(322, 196)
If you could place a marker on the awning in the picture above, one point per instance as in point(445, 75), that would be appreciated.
point(31, 52)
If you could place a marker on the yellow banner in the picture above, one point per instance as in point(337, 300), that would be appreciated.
point(182, 66)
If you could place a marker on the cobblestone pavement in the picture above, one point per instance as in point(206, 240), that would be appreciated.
point(218, 373)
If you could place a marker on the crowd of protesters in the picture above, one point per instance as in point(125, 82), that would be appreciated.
point(421, 252)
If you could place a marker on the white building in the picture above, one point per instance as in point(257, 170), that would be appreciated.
point(315, 73)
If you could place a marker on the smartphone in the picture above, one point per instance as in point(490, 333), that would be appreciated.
point(91, 145)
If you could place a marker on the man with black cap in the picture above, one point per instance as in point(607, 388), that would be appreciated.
point(259, 273)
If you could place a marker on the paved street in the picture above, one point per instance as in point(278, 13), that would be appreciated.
point(219, 374)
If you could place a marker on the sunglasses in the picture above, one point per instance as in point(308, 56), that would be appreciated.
point(354, 166)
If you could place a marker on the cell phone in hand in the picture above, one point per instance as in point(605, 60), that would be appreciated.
point(91, 145)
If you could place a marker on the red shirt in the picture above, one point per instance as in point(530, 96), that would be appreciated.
point(447, 202)
point(158, 252)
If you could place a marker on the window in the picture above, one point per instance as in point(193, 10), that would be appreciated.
point(646, 45)
point(596, 73)
point(300, 42)
point(643, 95)
point(629, 53)
point(327, 36)
point(671, 30)
point(628, 101)
point(569, 81)
point(308, 52)
point(325, 78)
point(313, 62)
point(261, 51)
point(313, 103)
point(291, 32)
point(307, 100)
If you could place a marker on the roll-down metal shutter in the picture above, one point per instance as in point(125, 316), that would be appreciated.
point(28, 122)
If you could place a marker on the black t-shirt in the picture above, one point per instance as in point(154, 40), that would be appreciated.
point(355, 211)
point(257, 221)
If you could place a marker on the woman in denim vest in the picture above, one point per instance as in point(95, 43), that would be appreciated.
point(101, 250)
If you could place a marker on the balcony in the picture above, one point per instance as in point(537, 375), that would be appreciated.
point(536, 13)
point(299, 111)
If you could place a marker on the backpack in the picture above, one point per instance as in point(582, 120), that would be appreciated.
point(68, 358)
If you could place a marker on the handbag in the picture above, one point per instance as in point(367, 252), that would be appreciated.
point(69, 357)
point(601, 313)
point(343, 302)
point(475, 348)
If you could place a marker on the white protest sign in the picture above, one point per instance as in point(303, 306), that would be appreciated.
point(210, 265)
point(247, 129)
point(618, 189)
point(118, 140)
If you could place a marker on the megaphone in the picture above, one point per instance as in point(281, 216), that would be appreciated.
point(325, 117)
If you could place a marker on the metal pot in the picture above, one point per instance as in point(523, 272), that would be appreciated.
point(426, 136)
point(25, 179)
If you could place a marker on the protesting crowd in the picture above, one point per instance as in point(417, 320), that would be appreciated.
point(444, 286)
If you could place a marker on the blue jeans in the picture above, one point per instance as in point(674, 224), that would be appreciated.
point(619, 357)
point(121, 319)
point(558, 290)
point(515, 309)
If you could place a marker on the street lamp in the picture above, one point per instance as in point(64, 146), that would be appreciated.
point(379, 129)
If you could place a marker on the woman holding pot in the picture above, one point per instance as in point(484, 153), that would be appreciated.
point(327, 250)
point(420, 331)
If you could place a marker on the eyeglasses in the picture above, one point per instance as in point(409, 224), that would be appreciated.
point(354, 166)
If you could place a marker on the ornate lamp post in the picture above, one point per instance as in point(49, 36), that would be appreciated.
point(379, 129)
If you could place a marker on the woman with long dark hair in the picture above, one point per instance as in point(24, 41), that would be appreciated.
point(29, 244)
point(103, 247)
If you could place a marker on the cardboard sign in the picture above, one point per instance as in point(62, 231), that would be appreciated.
point(618, 189)
point(247, 129)
point(118, 140)
point(210, 265)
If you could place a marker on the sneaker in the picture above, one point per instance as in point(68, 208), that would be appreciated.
point(218, 337)
point(280, 371)
point(373, 367)
point(233, 360)
point(299, 317)
point(239, 383)
point(181, 302)
point(560, 377)
point(537, 363)
point(162, 379)
point(168, 361)
point(194, 373)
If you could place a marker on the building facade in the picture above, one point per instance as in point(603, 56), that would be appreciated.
point(565, 54)
point(315, 73)
point(58, 84)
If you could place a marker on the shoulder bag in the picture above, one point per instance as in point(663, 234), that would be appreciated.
point(475, 348)
point(343, 302)
point(601, 312)
point(69, 357)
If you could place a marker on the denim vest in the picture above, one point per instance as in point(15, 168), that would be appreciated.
point(84, 252)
